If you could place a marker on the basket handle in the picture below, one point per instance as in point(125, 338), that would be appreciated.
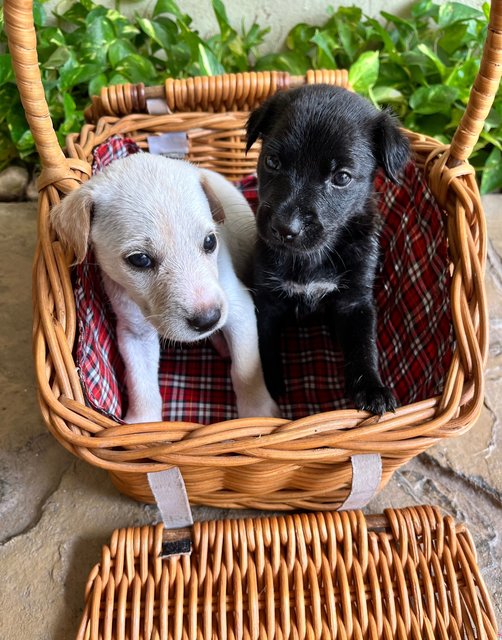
point(21, 36)
point(22, 40)
point(483, 91)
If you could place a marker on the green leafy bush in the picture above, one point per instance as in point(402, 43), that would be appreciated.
point(423, 67)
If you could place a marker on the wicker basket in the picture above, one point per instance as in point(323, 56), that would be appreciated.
point(409, 574)
point(257, 462)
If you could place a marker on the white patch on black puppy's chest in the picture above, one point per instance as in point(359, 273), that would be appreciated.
point(312, 291)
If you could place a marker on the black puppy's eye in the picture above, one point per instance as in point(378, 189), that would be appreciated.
point(272, 162)
point(210, 243)
point(140, 260)
point(341, 178)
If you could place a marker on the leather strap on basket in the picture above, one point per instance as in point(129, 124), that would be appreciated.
point(366, 480)
point(169, 491)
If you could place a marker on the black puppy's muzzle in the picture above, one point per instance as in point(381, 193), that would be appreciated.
point(287, 231)
point(280, 227)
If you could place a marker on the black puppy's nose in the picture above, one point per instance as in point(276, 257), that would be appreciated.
point(205, 320)
point(287, 231)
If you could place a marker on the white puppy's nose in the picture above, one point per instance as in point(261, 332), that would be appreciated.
point(205, 319)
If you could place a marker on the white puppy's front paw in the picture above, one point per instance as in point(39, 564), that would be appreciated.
point(152, 412)
point(262, 407)
point(133, 417)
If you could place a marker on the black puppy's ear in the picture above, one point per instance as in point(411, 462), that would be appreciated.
point(392, 149)
point(260, 121)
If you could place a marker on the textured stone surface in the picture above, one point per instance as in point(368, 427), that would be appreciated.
point(13, 183)
point(56, 512)
point(31, 189)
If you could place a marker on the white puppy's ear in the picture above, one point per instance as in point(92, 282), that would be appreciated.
point(71, 219)
point(217, 210)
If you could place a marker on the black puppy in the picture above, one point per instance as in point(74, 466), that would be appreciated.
point(317, 248)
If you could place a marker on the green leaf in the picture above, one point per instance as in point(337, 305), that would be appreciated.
point(376, 30)
point(58, 58)
point(404, 27)
point(17, 124)
point(77, 75)
point(255, 36)
point(221, 16)
point(489, 137)
point(348, 39)
point(136, 68)
point(453, 37)
point(26, 143)
point(69, 106)
point(208, 63)
point(427, 51)
point(100, 31)
point(122, 26)
point(434, 124)
point(492, 172)
point(494, 118)
point(118, 50)
point(157, 32)
point(420, 66)
point(178, 59)
point(168, 6)
point(97, 83)
point(38, 13)
point(6, 71)
point(296, 63)
point(7, 149)
point(326, 46)
point(434, 99)
point(299, 38)
point(351, 15)
point(117, 78)
point(462, 76)
point(385, 95)
point(75, 14)
point(393, 73)
point(425, 9)
point(363, 74)
point(50, 36)
point(97, 11)
point(450, 12)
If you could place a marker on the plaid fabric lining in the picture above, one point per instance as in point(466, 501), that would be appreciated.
point(415, 337)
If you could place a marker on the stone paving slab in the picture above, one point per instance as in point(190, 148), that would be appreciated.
point(56, 511)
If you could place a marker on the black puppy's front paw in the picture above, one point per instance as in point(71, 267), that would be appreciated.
point(377, 399)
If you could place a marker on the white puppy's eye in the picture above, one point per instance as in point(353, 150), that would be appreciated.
point(272, 162)
point(140, 260)
point(210, 243)
point(341, 178)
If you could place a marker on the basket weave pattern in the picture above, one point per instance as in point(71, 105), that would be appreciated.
point(410, 574)
point(303, 463)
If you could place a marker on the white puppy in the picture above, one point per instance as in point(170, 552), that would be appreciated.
point(169, 239)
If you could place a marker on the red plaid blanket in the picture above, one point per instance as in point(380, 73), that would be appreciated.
point(415, 337)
